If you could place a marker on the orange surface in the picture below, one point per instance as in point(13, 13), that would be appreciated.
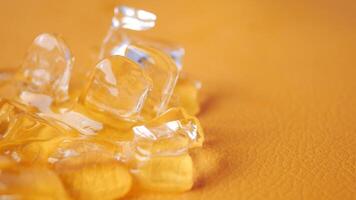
point(279, 85)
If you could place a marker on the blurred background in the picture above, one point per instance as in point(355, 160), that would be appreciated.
point(279, 86)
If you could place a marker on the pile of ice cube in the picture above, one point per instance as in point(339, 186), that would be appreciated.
point(133, 122)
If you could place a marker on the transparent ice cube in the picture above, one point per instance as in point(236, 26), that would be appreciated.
point(118, 39)
point(118, 87)
point(47, 68)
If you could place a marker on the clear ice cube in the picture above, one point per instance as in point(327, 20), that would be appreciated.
point(163, 73)
point(65, 118)
point(133, 19)
point(118, 87)
point(118, 39)
point(25, 137)
point(47, 68)
point(170, 134)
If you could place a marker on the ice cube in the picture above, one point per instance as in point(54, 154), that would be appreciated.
point(133, 19)
point(163, 73)
point(26, 137)
point(118, 39)
point(170, 134)
point(47, 68)
point(118, 87)
point(66, 118)
point(160, 151)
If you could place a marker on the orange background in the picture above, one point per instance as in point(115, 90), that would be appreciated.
point(279, 85)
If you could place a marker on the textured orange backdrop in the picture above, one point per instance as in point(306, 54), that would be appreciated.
point(279, 85)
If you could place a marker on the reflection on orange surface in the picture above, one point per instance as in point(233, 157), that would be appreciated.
point(278, 78)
